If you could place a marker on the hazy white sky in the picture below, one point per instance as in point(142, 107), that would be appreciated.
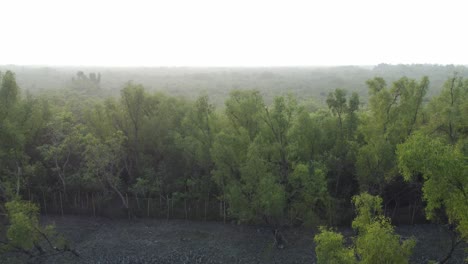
point(232, 33)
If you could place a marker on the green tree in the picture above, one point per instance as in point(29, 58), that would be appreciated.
point(352, 120)
point(309, 196)
point(135, 109)
point(243, 109)
point(278, 120)
point(13, 158)
point(447, 111)
point(231, 146)
point(9, 94)
point(341, 157)
point(195, 139)
point(25, 236)
point(393, 115)
point(104, 162)
point(306, 137)
point(444, 171)
point(376, 241)
point(330, 248)
point(336, 101)
point(65, 145)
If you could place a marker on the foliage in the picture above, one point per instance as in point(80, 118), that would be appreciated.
point(24, 223)
point(368, 209)
point(9, 94)
point(311, 197)
point(376, 241)
point(444, 170)
point(103, 161)
point(264, 156)
point(393, 115)
point(378, 244)
point(26, 236)
point(448, 110)
point(330, 248)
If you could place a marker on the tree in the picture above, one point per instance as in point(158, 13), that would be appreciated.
point(330, 248)
point(104, 162)
point(266, 176)
point(263, 136)
point(447, 111)
point(306, 137)
point(337, 103)
point(243, 108)
point(9, 94)
point(341, 157)
point(352, 117)
point(86, 83)
point(65, 143)
point(393, 115)
point(229, 153)
point(135, 110)
point(275, 133)
point(25, 236)
point(376, 241)
point(12, 134)
point(230, 148)
point(444, 170)
point(309, 196)
point(257, 194)
point(195, 139)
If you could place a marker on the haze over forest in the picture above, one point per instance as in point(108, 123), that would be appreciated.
point(307, 83)
point(247, 131)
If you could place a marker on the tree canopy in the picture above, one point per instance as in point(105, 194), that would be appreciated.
point(273, 160)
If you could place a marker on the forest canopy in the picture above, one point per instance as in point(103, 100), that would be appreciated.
point(268, 156)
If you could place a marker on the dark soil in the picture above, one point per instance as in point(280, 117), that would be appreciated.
point(100, 240)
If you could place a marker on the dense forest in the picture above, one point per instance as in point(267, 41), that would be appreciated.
point(274, 147)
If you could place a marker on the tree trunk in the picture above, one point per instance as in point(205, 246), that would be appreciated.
point(206, 205)
point(45, 202)
point(55, 202)
point(414, 211)
point(61, 203)
point(185, 208)
point(148, 207)
point(224, 212)
point(94, 207)
point(18, 176)
point(138, 202)
point(128, 205)
point(220, 208)
point(279, 239)
point(395, 208)
point(122, 198)
point(75, 201)
point(80, 202)
point(61, 175)
point(454, 245)
point(168, 206)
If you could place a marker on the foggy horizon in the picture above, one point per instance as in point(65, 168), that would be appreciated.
point(225, 66)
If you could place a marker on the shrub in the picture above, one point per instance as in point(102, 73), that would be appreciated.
point(376, 241)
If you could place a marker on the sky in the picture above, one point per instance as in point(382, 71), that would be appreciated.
point(232, 33)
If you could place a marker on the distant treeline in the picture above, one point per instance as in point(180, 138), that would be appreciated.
point(304, 82)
